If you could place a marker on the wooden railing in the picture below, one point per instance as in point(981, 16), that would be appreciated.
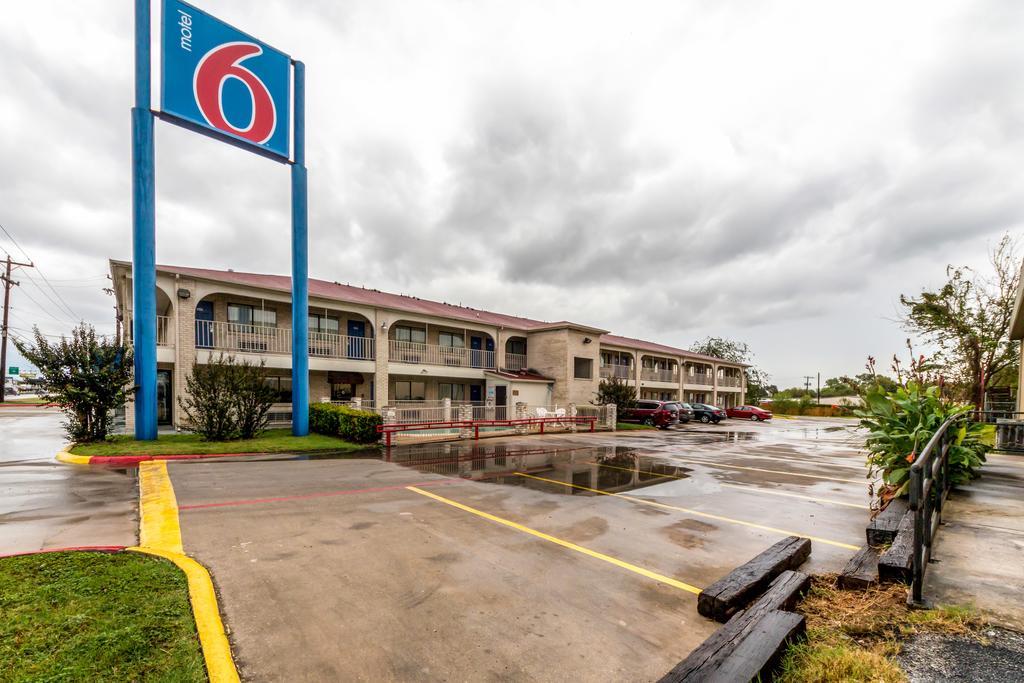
point(431, 354)
point(705, 379)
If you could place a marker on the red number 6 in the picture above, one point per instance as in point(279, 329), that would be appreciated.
point(220, 64)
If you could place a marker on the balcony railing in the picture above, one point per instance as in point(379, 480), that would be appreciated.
point(617, 371)
point(278, 340)
point(163, 331)
point(448, 356)
point(728, 381)
point(658, 375)
point(515, 361)
point(705, 379)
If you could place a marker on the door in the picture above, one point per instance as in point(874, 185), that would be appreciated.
point(163, 397)
point(475, 393)
point(357, 344)
point(476, 345)
point(489, 360)
point(500, 402)
point(204, 325)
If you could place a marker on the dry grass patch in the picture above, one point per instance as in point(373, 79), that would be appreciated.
point(854, 635)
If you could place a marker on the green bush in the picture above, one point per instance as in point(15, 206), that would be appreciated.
point(357, 426)
point(227, 399)
point(900, 424)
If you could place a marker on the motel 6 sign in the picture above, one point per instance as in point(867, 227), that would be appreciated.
point(220, 79)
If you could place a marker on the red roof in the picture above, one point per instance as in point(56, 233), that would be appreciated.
point(412, 304)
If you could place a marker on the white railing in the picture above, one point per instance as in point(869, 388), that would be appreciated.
point(705, 379)
point(617, 371)
point(656, 375)
point(431, 354)
point(224, 336)
point(728, 381)
point(163, 337)
point(327, 345)
point(515, 361)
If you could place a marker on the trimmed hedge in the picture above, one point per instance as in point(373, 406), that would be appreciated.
point(357, 426)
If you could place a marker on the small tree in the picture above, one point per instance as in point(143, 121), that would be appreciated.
point(614, 390)
point(227, 399)
point(88, 376)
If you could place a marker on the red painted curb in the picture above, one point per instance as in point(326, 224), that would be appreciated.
point(136, 459)
point(76, 548)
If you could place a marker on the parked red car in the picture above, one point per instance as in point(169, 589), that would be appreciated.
point(749, 413)
point(660, 414)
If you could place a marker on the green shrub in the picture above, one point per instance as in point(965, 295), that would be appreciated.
point(357, 426)
point(227, 399)
point(900, 424)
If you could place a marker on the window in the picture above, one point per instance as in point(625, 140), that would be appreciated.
point(283, 387)
point(583, 368)
point(516, 346)
point(456, 392)
point(410, 391)
point(246, 314)
point(451, 340)
point(416, 335)
point(326, 324)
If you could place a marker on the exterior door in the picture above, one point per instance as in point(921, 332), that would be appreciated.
point(204, 325)
point(474, 393)
point(500, 402)
point(163, 397)
point(489, 360)
point(476, 345)
point(356, 339)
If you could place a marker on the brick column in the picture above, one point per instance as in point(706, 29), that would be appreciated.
point(714, 377)
point(465, 415)
point(184, 345)
point(611, 415)
point(381, 350)
point(446, 410)
point(521, 411)
point(571, 414)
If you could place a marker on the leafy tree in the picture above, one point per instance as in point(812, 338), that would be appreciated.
point(968, 319)
point(227, 399)
point(614, 390)
point(88, 376)
point(737, 352)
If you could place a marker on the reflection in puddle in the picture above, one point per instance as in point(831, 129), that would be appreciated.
point(570, 471)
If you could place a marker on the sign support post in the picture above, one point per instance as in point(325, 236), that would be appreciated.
point(143, 233)
point(300, 264)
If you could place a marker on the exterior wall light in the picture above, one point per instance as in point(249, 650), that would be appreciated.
point(184, 293)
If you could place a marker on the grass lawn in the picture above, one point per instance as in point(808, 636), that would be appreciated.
point(626, 426)
point(855, 635)
point(272, 441)
point(25, 401)
point(96, 617)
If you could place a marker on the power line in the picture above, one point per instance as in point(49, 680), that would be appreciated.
point(41, 274)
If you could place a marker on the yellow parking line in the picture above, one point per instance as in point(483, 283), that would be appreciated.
point(565, 544)
point(160, 534)
point(688, 511)
point(754, 489)
point(741, 467)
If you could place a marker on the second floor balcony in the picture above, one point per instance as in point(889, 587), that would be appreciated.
point(431, 354)
point(659, 375)
point(730, 381)
point(617, 371)
point(237, 337)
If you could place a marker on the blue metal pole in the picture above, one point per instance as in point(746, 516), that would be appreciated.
point(143, 233)
point(300, 265)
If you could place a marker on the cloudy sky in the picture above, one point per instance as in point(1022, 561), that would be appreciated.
point(774, 172)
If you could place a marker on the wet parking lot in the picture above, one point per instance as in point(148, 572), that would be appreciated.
point(537, 558)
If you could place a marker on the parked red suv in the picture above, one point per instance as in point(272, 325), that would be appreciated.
point(660, 414)
point(749, 413)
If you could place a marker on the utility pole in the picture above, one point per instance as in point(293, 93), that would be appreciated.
point(819, 389)
point(807, 383)
point(8, 283)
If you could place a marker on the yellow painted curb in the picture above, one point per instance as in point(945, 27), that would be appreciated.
point(220, 666)
point(70, 458)
point(160, 535)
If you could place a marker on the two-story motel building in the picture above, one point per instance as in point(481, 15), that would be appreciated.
point(389, 349)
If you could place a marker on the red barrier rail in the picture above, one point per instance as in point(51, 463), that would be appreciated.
point(388, 429)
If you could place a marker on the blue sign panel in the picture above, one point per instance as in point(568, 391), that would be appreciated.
point(216, 77)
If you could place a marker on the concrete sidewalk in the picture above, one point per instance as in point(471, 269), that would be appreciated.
point(45, 504)
point(979, 549)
